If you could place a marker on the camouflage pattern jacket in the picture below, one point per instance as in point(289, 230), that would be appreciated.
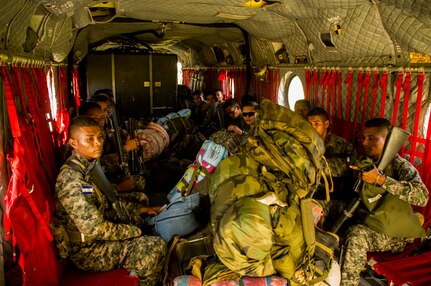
point(404, 182)
point(338, 154)
point(81, 208)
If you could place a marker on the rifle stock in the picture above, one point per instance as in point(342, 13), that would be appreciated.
point(394, 141)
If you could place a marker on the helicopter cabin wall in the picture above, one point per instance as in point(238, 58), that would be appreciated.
point(143, 84)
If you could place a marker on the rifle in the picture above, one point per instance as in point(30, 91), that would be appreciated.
point(119, 144)
point(95, 172)
point(394, 141)
point(135, 159)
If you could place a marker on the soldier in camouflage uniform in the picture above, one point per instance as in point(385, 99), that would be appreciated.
point(97, 243)
point(399, 179)
point(98, 110)
point(338, 153)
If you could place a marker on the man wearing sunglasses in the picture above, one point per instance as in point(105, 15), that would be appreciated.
point(248, 115)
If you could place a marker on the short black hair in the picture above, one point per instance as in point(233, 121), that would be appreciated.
point(379, 122)
point(318, 111)
point(84, 108)
point(209, 92)
point(197, 92)
point(81, 121)
point(249, 100)
point(99, 98)
point(230, 103)
point(106, 91)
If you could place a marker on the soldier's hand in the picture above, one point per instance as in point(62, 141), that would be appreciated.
point(131, 144)
point(125, 185)
point(151, 211)
point(235, 129)
point(372, 177)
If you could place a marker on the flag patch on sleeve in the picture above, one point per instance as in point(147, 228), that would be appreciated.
point(87, 190)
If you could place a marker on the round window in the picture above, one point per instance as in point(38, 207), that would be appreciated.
point(290, 90)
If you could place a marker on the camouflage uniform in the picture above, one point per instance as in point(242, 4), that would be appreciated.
point(404, 183)
point(338, 153)
point(105, 245)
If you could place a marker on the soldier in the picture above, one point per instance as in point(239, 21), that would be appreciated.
point(402, 182)
point(97, 242)
point(338, 151)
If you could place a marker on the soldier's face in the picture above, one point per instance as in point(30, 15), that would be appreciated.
point(105, 107)
point(87, 142)
point(98, 115)
point(219, 95)
point(249, 115)
point(373, 141)
point(234, 112)
point(319, 124)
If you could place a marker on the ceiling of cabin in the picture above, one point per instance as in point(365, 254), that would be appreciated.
point(210, 32)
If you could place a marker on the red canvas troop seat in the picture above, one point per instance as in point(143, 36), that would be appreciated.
point(117, 277)
point(413, 270)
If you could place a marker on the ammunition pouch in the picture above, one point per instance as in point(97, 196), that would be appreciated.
point(61, 239)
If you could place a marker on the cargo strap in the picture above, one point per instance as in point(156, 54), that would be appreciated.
point(420, 84)
point(398, 85)
point(348, 80)
point(374, 93)
point(384, 87)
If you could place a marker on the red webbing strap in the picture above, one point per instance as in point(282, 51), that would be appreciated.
point(322, 83)
point(384, 87)
point(349, 81)
point(314, 80)
point(374, 93)
point(42, 136)
point(333, 84)
point(18, 153)
point(10, 103)
point(275, 86)
point(365, 102)
point(307, 83)
point(360, 81)
point(19, 92)
point(420, 85)
point(339, 94)
point(268, 86)
point(328, 93)
point(75, 84)
point(406, 88)
point(398, 85)
point(331, 94)
point(407, 83)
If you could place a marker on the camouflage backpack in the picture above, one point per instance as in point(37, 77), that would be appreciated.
point(264, 189)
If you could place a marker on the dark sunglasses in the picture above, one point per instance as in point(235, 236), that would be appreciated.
point(248, 114)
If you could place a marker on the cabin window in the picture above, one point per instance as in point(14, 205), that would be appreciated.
point(50, 80)
point(290, 90)
point(180, 73)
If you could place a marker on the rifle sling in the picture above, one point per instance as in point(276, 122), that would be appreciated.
point(97, 177)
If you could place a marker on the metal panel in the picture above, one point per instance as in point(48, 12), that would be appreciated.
point(164, 83)
point(98, 72)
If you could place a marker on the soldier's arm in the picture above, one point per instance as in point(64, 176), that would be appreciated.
point(85, 215)
point(408, 186)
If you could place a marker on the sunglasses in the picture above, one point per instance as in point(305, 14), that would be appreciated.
point(248, 114)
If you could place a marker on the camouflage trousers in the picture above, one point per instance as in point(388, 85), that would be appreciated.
point(360, 240)
point(144, 255)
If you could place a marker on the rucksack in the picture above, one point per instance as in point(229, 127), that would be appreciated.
point(279, 168)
